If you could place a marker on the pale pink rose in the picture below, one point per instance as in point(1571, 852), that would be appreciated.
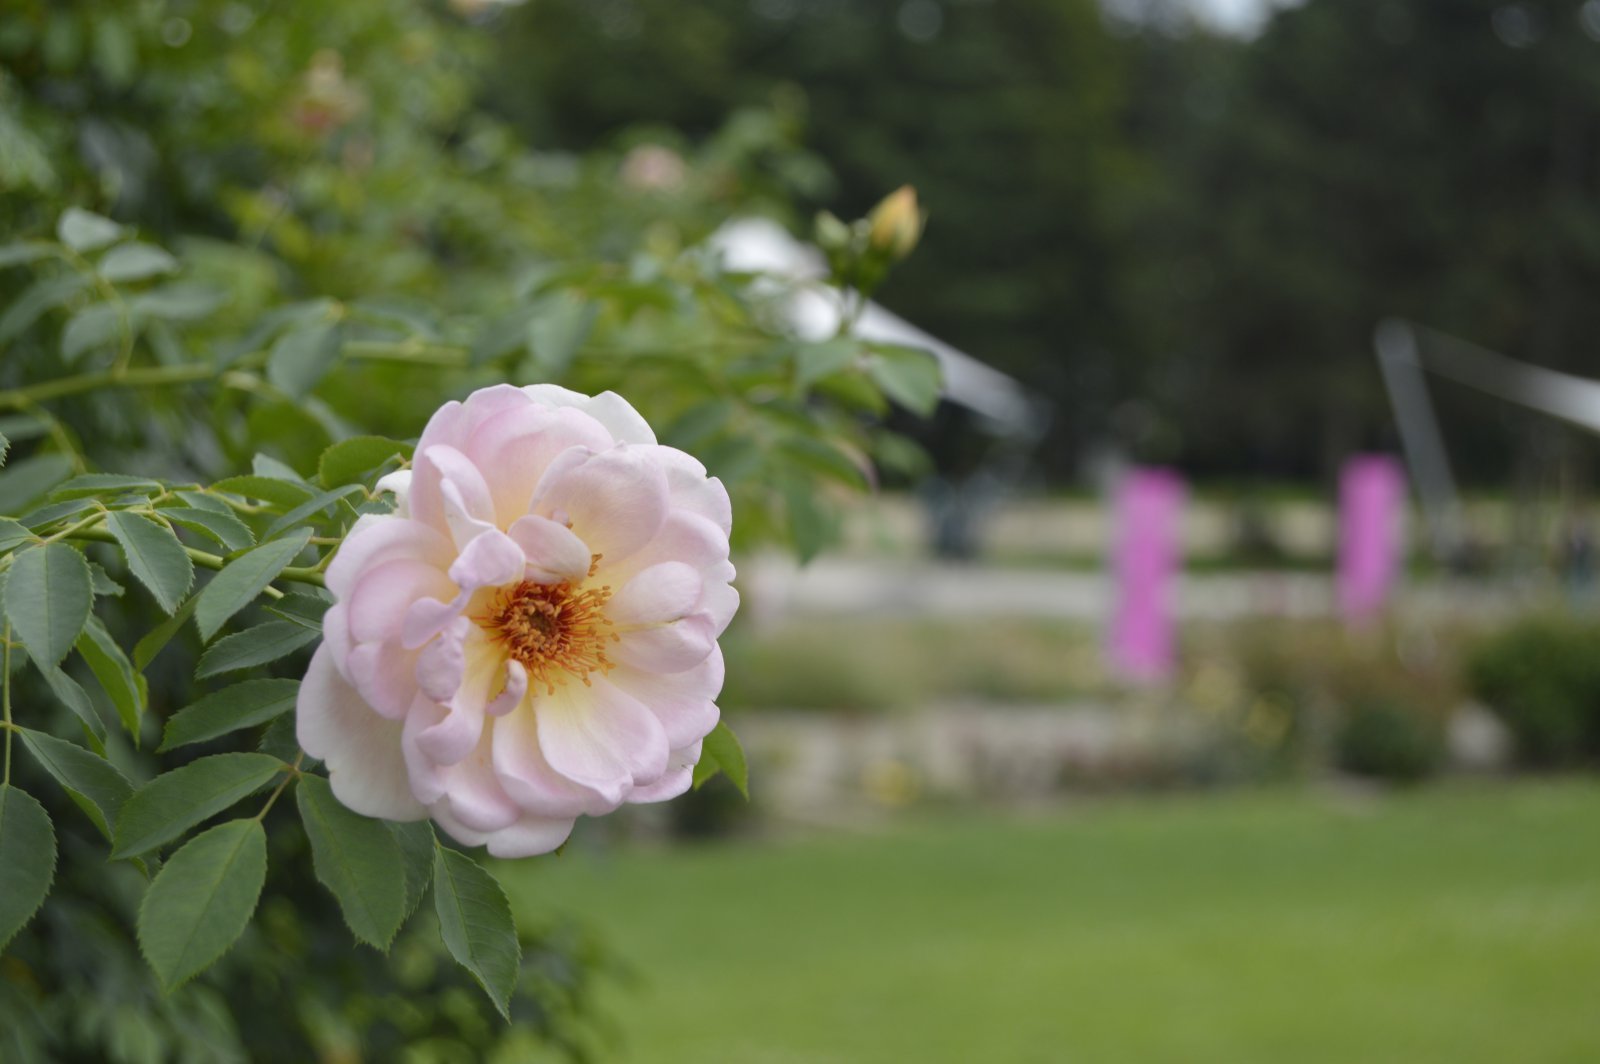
point(532, 635)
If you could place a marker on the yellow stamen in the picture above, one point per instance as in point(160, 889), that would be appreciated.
point(553, 629)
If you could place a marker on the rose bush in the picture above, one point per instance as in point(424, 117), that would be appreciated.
point(532, 635)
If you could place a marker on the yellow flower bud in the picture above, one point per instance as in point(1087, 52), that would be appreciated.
point(896, 223)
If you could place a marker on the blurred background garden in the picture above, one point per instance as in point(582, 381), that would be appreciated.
point(1141, 658)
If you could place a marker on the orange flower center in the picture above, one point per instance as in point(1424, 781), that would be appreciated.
point(552, 629)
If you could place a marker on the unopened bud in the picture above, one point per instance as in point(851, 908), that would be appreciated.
point(896, 223)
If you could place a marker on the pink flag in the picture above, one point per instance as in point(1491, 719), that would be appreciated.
point(1146, 555)
point(1371, 494)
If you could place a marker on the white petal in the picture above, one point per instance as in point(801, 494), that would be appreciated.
point(661, 594)
point(684, 702)
point(673, 782)
point(667, 647)
point(625, 424)
point(531, 782)
point(615, 501)
point(600, 737)
point(375, 539)
point(529, 836)
point(360, 748)
point(553, 552)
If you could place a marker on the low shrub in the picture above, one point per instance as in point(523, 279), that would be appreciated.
point(1389, 741)
point(1541, 677)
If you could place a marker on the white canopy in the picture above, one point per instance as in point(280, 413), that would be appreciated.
point(813, 309)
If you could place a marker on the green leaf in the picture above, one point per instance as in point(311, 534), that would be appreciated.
point(5, 449)
point(83, 230)
point(723, 752)
point(300, 358)
point(47, 599)
point(242, 579)
point(105, 484)
point(222, 528)
point(475, 922)
point(355, 857)
point(304, 610)
point(416, 841)
point(136, 262)
point(812, 362)
point(25, 251)
point(179, 301)
point(254, 646)
point(27, 859)
point(94, 783)
point(824, 458)
point(13, 533)
point(908, 375)
point(146, 649)
point(24, 481)
point(281, 493)
point(43, 295)
point(347, 460)
point(154, 556)
point(96, 325)
point(201, 901)
point(562, 322)
point(104, 586)
point(111, 667)
point(243, 705)
point(309, 507)
point(176, 801)
point(71, 695)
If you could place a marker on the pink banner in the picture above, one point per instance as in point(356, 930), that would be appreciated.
point(1371, 496)
point(1146, 546)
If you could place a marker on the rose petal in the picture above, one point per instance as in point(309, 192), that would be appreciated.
point(616, 501)
point(661, 594)
point(690, 489)
point(490, 560)
point(526, 774)
point(553, 551)
point(385, 675)
point(375, 539)
point(619, 417)
point(600, 737)
point(398, 484)
point(529, 837)
point(378, 598)
point(450, 494)
point(667, 647)
point(518, 446)
point(684, 702)
point(673, 782)
point(360, 748)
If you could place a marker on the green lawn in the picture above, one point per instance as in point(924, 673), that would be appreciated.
point(1455, 925)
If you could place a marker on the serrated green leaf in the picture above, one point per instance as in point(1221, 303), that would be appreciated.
point(146, 649)
point(136, 262)
point(722, 752)
point(43, 295)
point(13, 533)
point(5, 449)
point(83, 230)
point(47, 600)
point(355, 857)
point(27, 859)
point(309, 507)
point(179, 301)
point(105, 484)
point(176, 801)
point(95, 784)
point(71, 695)
point(115, 672)
point(254, 646)
point(45, 516)
point(96, 325)
point(347, 460)
point(24, 481)
point(242, 579)
point(154, 556)
point(303, 609)
point(908, 375)
point(243, 705)
point(201, 901)
point(281, 493)
point(264, 465)
point(104, 586)
point(416, 841)
point(224, 529)
point(300, 358)
point(475, 923)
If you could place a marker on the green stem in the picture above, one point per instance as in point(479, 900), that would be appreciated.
point(292, 775)
point(144, 377)
point(207, 560)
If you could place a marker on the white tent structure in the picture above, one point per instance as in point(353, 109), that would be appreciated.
point(812, 309)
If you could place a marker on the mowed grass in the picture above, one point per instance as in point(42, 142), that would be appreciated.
point(1456, 924)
